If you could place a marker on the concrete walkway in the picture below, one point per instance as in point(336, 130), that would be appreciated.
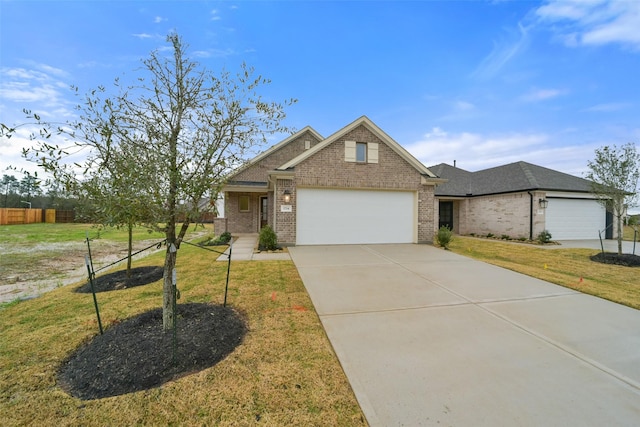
point(428, 337)
point(243, 249)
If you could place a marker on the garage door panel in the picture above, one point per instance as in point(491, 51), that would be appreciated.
point(354, 216)
point(574, 219)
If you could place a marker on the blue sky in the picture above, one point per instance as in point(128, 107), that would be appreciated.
point(482, 82)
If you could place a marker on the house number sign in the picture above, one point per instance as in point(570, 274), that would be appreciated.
point(286, 208)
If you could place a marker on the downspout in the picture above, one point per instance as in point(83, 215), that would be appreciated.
point(530, 215)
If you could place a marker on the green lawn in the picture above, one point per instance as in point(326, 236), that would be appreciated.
point(59, 233)
point(284, 373)
point(571, 268)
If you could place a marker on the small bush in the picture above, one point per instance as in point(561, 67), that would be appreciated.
point(268, 239)
point(522, 239)
point(222, 239)
point(444, 236)
point(544, 237)
point(505, 237)
point(490, 235)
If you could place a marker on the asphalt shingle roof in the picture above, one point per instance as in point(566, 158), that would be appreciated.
point(518, 176)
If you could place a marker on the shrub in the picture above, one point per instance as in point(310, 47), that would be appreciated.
point(505, 237)
point(268, 239)
point(225, 237)
point(222, 239)
point(444, 236)
point(490, 235)
point(522, 239)
point(544, 237)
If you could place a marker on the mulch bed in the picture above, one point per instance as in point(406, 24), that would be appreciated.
point(118, 280)
point(628, 260)
point(138, 355)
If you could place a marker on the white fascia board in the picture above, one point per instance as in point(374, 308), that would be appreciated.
point(569, 195)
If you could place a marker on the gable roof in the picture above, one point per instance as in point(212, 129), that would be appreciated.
point(513, 177)
point(276, 147)
point(366, 122)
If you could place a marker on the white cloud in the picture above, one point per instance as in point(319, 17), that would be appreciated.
point(25, 86)
point(215, 16)
point(503, 51)
point(476, 151)
point(463, 106)
point(608, 107)
point(593, 22)
point(52, 70)
point(213, 53)
point(473, 151)
point(536, 95)
point(42, 92)
point(159, 19)
point(143, 36)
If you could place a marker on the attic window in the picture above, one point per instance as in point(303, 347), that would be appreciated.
point(361, 152)
point(307, 145)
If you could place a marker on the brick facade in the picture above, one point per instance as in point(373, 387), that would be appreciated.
point(259, 172)
point(501, 214)
point(328, 169)
point(242, 222)
point(286, 221)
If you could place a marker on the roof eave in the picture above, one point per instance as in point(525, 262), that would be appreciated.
point(277, 146)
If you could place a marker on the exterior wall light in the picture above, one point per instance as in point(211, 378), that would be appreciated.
point(543, 203)
point(287, 196)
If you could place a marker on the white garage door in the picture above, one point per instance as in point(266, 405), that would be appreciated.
point(354, 216)
point(571, 219)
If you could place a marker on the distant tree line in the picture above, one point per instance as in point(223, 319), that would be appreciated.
point(29, 191)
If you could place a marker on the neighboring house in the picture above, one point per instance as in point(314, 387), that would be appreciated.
point(520, 200)
point(356, 186)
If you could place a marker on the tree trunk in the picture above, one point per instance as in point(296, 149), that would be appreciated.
point(129, 249)
point(620, 233)
point(168, 294)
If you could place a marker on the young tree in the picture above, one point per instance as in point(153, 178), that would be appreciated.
point(179, 131)
point(116, 198)
point(614, 174)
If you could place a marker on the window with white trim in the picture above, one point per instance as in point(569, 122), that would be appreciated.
point(360, 152)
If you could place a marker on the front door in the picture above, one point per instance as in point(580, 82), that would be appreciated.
point(264, 211)
point(446, 215)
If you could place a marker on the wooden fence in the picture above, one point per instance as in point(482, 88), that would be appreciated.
point(12, 216)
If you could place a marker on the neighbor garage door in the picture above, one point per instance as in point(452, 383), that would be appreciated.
point(573, 219)
point(354, 216)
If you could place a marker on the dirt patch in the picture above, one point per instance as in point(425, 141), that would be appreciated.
point(138, 355)
point(118, 280)
point(52, 265)
point(627, 260)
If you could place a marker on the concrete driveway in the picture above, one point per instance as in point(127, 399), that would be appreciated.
point(428, 337)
